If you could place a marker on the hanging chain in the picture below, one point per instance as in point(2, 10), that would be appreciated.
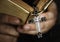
point(37, 19)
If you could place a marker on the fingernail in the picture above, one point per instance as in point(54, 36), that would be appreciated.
point(26, 27)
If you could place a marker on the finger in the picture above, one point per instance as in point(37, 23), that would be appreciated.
point(31, 29)
point(10, 19)
point(48, 15)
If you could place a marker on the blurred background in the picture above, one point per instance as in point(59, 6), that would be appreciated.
point(58, 6)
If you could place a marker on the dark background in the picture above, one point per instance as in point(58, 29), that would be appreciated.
point(58, 6)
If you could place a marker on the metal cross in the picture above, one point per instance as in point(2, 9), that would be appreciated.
point(37, 22)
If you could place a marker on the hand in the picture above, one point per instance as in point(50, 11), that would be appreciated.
point(46, 25)
point(8, 25)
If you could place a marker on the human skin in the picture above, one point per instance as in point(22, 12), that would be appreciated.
point(8, 32)
point(50, 15)
point(13, 32)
